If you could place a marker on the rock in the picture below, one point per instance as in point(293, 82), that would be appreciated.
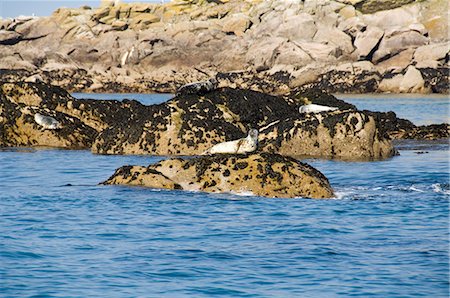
point(9, 37)
point(340, 134)
point(18, 127)
point(393, 43)
point(428, 132)
point(397, 62)
point(236, 24)
point(352, 26)
point(436, 79)
point(357, 67)
point(347, 12)
point(289, 28)
point(371, 6)
point(260, 53)
point(320, 52)
point(391, 84)
point(288, 53)
point(336, 37)
point(434, 16)
point(433, 52)
point(358, 80)
point(255, 39)
point(142, 21)
point(188, 125)
point(262, 174)
point(16, 63)
point(412, 81)
point(367, 41)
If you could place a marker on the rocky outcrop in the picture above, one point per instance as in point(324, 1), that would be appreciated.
point(195, 123)
point(190, 124)
point(351, 135)
point(19, 128)
point(263, 174)
point(123, 47)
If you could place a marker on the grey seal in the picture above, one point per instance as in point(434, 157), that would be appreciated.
point(313, 108)
point(198, 87)
point(240, 146)
point(47, 122)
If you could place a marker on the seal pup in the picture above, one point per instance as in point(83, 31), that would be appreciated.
point(47, 122)
point(313, 108)
point(241, 146)
point(198, 87)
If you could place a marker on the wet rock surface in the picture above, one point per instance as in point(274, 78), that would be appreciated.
point(263, 174)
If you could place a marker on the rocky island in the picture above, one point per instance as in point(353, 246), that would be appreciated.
point(264, 174)
point(262, 66)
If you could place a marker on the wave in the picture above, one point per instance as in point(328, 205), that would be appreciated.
point(443, 188)
point(366, 192)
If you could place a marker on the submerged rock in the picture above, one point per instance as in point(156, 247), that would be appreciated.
point(263, 174)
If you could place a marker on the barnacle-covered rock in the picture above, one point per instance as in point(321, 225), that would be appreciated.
point(263, 174)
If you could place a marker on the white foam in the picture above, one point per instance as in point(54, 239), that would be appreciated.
point(438, 189)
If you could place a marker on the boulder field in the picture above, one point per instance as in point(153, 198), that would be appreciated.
point(271, 46)
point(263, 174)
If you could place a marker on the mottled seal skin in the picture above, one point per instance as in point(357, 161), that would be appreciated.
point(241, 146)
point(47, 122)
point(198, 87)
point(313, 108)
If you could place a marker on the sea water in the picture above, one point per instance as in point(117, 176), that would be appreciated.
point(386, 234)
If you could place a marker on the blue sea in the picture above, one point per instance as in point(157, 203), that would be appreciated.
point(386, 234)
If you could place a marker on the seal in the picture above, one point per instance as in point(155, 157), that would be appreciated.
point(313, 108)
point(47, 122)
point(241, 146)
point(198, 88)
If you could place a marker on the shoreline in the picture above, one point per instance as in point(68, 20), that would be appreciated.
point(365, 47)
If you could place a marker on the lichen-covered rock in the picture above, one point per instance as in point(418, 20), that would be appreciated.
point(19, 128)
point(371, 6)
point(427, 132)
point(190, 124)
point(340, 134)
point(263, 174)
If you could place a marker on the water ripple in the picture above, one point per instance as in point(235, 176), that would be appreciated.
point(385, 234)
